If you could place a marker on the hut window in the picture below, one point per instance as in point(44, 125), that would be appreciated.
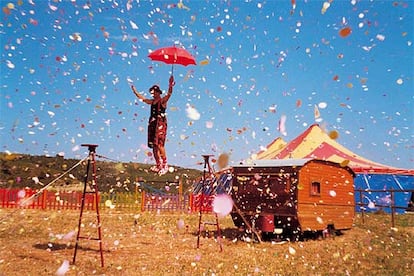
point(315, 188)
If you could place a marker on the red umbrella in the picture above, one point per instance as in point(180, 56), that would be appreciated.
point(173, 55)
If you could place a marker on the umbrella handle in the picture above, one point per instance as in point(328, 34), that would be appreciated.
point(172, 69)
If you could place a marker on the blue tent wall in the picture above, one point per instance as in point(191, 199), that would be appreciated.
point(383, 182)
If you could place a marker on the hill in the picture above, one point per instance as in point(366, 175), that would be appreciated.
point(21, 170)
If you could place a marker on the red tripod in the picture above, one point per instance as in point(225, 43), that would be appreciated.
point(94, 187)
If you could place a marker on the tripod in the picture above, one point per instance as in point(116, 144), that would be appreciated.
point(207, 168)
point(94, 186)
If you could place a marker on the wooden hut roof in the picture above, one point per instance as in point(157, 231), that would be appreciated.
point(290, 162)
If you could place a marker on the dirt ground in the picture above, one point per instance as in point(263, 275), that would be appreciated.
point(34, 242)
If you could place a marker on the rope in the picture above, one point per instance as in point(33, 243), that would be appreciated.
point(107, 158)
point(27, 200)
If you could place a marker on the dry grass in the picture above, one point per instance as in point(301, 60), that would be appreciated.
point(31, 243)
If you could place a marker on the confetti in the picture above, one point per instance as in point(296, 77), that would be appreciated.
point(282, 125)
point(10, 64)
point(21, 193)
point(75, 37)
point(204, 62)
point(71, 83)
point(371, 205)
point(192, 113)
point(322, 105)
point(345, 32)
point(63, 268)
point(344, 163)
point(223, 160)
point(325, 7)
point(316, 112)
point(180, 224)
point(69, 236)
point(222, 205)
point(134, 26)
point(333, 134)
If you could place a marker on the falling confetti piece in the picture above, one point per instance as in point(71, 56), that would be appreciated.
point(333, 134)
point(192, 113)
point(180, 224)
point(316, 112)
point(322, 105)
point(319, 220)
point(204, 62)
point(10, 64)
point(222, 205)
point(223, 160)
point(63, 268)
point(292, 251)
point(69, 236)
point(345, 32)
point(278, 231)
point(21, 193)
point(332, 193)
point(272, 109)
point(6, 11)
point(75, 37)
point(34, 22)
point(344, 163)
point(380, 37)
point(35, 179)
point(181, 5)
point(52, 7)
point(282, 125)
point(325, 7)
point(133, 25)
point(166, 202)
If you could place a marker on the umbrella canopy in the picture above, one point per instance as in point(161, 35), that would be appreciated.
point(173, 55)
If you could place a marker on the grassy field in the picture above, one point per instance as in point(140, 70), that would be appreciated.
point(34, 242)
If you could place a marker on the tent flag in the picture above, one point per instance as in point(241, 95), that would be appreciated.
point(316, 143)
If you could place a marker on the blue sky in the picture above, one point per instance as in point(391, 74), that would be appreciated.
point(66, 69)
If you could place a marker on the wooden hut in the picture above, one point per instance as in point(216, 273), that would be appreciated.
point(290, 196)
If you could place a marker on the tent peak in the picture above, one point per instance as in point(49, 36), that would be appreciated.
point(315, 142)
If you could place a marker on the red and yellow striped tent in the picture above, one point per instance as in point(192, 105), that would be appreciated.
point(316, 143)
point(269, 152)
